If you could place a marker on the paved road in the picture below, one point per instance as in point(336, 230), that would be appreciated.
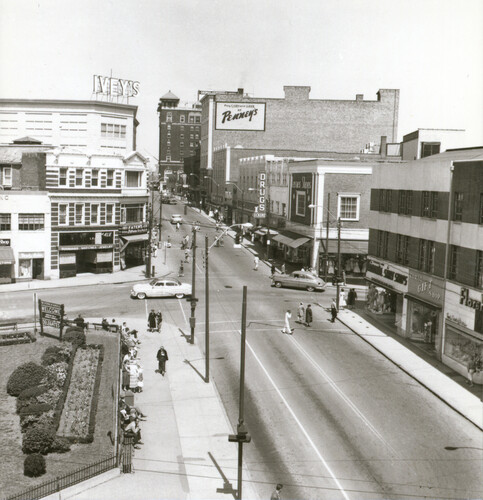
point(329, 417)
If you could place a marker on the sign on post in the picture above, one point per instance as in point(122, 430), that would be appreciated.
point(51, 316)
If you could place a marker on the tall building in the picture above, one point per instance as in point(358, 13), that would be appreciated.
point(179, 133)
point(426, 253)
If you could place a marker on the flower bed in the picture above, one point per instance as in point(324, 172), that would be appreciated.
point(78, 415)
point(16, 338)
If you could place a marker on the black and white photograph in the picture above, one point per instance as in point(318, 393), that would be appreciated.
point(241, 249)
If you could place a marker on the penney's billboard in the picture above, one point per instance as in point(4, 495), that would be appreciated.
point(240, 116)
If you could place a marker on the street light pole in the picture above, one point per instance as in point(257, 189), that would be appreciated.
point(193, 287)
point(207, 313)
point(327, 239)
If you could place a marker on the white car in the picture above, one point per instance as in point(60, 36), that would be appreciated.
point(175, 218)
point(165, 287)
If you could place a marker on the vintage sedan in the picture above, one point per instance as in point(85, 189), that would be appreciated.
point(165, 287)
point(175, 218)
point(299, 279)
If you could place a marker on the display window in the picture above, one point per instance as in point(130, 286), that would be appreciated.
point(422, 322)
point(463, 348)
point(25, 268)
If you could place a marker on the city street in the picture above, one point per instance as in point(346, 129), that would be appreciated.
point(328, 415)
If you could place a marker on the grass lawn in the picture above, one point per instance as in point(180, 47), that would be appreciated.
point(12, 479)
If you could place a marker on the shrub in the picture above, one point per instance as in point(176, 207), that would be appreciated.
point(38, 439)
point(29, 421)
point(25, 376)
point(32, 392)
point(34, 465)
point(60, 445)
point(56, 374)
point(75, 336)
point(34, 409)
point(50, 397)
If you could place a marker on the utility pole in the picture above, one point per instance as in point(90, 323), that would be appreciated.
point(242, 435)
point(339, 274)
point(160, 214)
point(193, 288)
point(207, 313)
point(150, 231)
point(327, 239)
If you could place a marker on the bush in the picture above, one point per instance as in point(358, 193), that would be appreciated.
point(32, 392)
point(56, 353)
point(25, 376)
point(60, 445)
point(34, 409)
point(38, 439)
point(75, 336)
point(34, 465)
point(29, 421)
point(56, 373)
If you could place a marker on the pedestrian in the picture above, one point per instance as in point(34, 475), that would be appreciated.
point(151, 321)
point(308, 316)
point(351, 298)
point(186, 256)
point(287, 328)
point(256, 260)
point(276, 492)
point(159, 320)
point(181, 269)
point(472, 368)
point(168, 242)
point(333, 310)
point(282, 269)
point(301, 313)
point(273, 269)
point(177, 226)
point(162, 356)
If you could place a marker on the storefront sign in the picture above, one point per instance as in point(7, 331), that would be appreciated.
point(240, 116)
point(4, 242)
point(389, 276)
point(115, 86)
point(71, 248)
point(426, 287)
point(51, 315)
point(141, 227)
point(261, 209)
point(31, 255)
point(469, 302)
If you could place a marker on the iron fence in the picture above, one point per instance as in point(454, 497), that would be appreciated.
point(61, 482)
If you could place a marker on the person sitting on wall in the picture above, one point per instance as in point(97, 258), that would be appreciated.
point(133, 429)
point(105, 324)
point(79, 321)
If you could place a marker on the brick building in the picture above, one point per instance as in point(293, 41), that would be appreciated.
point(426, 252)
point(179, 133)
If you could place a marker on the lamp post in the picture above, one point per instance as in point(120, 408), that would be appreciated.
point(243, 197)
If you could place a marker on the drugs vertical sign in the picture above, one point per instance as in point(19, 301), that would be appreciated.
point(51, 316)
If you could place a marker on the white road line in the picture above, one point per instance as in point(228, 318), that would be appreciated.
point(345, 398)
point(302, 428)
point(184, 315)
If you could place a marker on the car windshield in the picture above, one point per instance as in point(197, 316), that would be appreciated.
point(152, 283)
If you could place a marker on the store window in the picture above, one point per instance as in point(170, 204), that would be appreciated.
point(94, 214)
point(5, 222)
point(25, 268)
point(133, 179)
point(109, 213)
point(300, 203)
point(95, 178)
point(110, 178)
point(62, 177)
point(462, 348)
point(422, 322)
point(79, 214)
point(63, 214)
point(31, 222)
point(348, 206)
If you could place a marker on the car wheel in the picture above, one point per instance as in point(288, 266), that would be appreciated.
point(278, 284)
point(141, 296)
point(310, 289)
point(179, 295)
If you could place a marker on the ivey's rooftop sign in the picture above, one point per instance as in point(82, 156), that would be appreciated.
point(240, 116)
point(115, 86)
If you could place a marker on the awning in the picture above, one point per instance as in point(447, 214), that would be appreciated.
point(298, 242)
point(6, 256)
point(348, 246)
point(262, 231)
point(285, 240)
point(133, 238)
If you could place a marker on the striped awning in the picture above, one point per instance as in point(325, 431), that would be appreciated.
point(6, 256)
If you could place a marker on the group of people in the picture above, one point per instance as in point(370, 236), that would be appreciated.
point(132, 372)
point(130, 418)
point(304, 314)
point(155, 320)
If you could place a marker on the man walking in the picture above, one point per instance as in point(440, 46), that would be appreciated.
point(333, 310)
point(162, 356)
point(255, 262)
point(301, 313)
point(308, 316)
point(287, 328)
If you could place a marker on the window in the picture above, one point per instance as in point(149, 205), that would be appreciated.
point(434, 204)
point(79, 214)
point(30, 222)
point(79, 176)
point(113, 130)
point(133, 179)
point(95, 178)
point(133, 213)
point(191, 144)
point(429, 148)
point(5, 222)
point(94, 214)
point(169, 116)
point(348, 208)
point(191, 119)
point(481, 208)
point(109, 213)
point(426, 256)
point(110, 178)
point(181, 136)
point(181, 144)
point(458, 207)
point(191, 136)
point(168, 158)
point(169, 126)
point(429, 204)
point(6, 176)
point(382, 239)
point(425, 210)
point(182, 119)
point(284, 209)
point(63, 214)
point(453, 261)
point(479, 269)
point(405, 202)
point(197, 119)
point(168, 142)
point(300, 203)
point(402, 245)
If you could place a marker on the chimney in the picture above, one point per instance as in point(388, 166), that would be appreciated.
point(359, 97)
point(383, 150)
point(240, 91)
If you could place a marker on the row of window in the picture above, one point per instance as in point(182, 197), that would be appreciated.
point(113, 130)
point(26, 222)
point(132, 178)
point(182, 118)
point(168, 126)
point(181, 136)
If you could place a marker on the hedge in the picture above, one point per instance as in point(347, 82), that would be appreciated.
point(55, 353)
point(34, 465)
point(75, 336)
point(38, 439)
point(34, 409)
point(25, 376)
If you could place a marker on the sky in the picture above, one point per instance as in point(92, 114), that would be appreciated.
point(432, 50)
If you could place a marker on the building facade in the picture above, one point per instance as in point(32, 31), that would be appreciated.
point(179, 133)
point(426, 253)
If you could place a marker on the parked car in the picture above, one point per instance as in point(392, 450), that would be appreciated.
point(175, 218)
point(166, 287)
point(299, 279)
point(169, 201)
